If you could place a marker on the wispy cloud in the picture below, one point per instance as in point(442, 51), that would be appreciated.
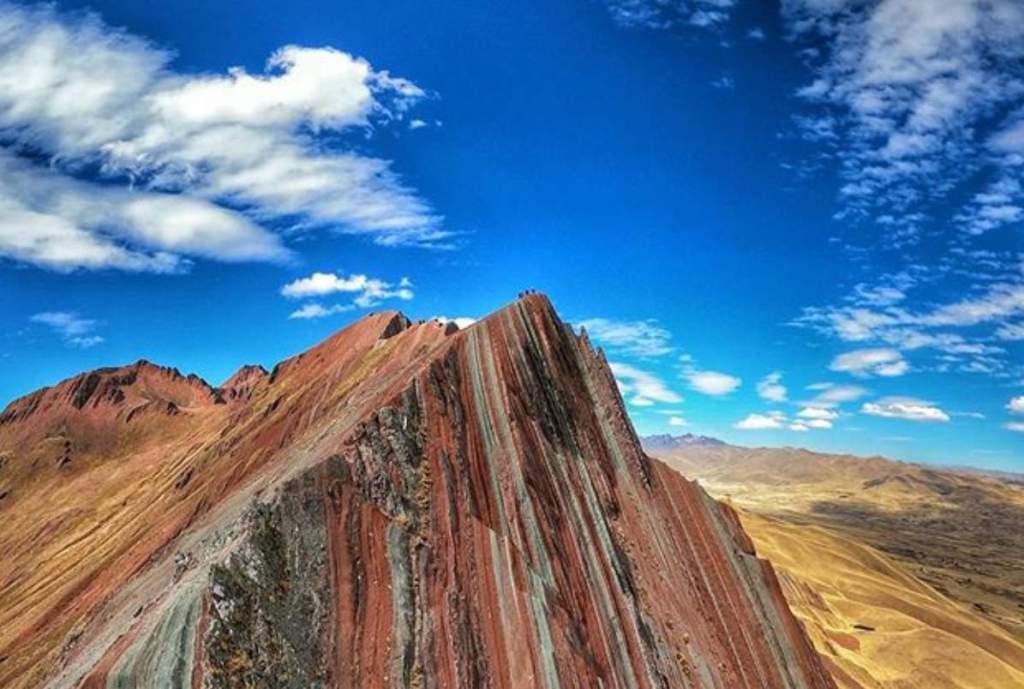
point(724, 83)
point(771, 388)
point(714, 383)
point(883, 362)
point(907, 408)
point(830, 395)
point(908, 88)
point(641, 387)
point(635, 338)
point(75, 330)
point(666, 14)
point(962, 331)
point(190, 165)
point(314, 310)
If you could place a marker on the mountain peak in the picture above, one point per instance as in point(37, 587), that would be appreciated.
point(666, 441)
point(398, 506)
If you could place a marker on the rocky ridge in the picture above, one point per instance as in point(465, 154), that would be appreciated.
point(404, 505)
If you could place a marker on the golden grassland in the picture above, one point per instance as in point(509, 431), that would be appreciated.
point(906, 577)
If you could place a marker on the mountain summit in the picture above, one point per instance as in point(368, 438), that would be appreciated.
point(403, 505)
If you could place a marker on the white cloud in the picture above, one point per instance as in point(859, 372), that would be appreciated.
point(713, 383)
point(313, 310)
point(91, 98)
point(677, 421)
point(1016, 405)
point(75, 330)
point(906, 408)
point(761, 422)
point(911, 86)
point(55, 221)
point(1015, 426)
point(369, 291)
point(666, 14)
point(818, 413)
point(831, 395)
point(724, 83)
point(806, 421)
point(756, 34)
point(771, 388)
point(964, 328)
point(637, 338)
point(417, 124)
point(871, 362)
point(643, 388)
point(1011, 332)
point(460, 321)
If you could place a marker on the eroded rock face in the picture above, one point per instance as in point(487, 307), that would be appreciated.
point(431, 509)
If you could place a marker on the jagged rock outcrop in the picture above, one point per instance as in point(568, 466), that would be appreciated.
point(242, 382)
point(400, 506)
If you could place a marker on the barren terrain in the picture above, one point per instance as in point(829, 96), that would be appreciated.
point(907, 577)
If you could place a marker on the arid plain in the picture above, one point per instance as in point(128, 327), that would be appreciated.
point(907, 577)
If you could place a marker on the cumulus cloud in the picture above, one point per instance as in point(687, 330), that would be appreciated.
point(771, 388)
point(72, 328)
point(871, 362)
point(637, 338)
point(148, 166)
point(907, 408)
point(368, 291)
point(1016, 405)
point(761, 422)
point(642, 387)
point(712, 382)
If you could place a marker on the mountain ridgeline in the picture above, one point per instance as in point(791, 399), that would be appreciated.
point(404, 505)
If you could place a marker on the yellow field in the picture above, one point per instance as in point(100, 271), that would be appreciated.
point(906, 577)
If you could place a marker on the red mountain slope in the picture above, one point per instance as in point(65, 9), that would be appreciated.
point(400, 506)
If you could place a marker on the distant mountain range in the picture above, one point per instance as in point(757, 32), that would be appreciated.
point(666, 441)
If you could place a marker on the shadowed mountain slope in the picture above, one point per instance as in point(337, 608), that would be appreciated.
point(404, 505)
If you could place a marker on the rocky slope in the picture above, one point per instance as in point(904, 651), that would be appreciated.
point(403, 505)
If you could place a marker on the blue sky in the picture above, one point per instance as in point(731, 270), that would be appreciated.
point(793, 224)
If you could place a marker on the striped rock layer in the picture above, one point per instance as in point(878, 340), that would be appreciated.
point(401, 506)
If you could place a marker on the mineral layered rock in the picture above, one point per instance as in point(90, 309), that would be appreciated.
point(403, 505)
